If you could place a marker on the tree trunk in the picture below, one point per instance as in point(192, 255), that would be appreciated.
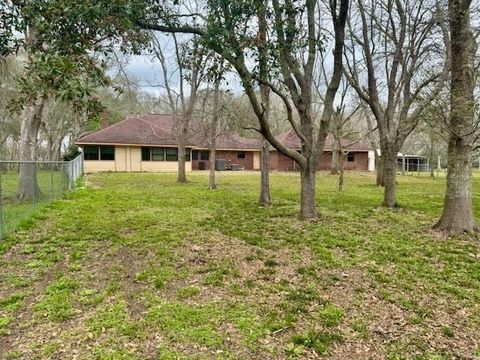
point(50, 149)
point(457, 211)
point(265, 199)
point(334, 167)
point(212, 185)
point(182, 176)
point(213, 129)
point(389, 177)
point(341, 179)
point(380, 181)
point(28, 188)
point(431, 161)
point(308, 208)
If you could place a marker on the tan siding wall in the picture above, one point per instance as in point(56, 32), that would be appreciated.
point(121, 158)
point(135, 158)
point(256, 160)
point(163, 166)
point(129, 159)
point(91, 166)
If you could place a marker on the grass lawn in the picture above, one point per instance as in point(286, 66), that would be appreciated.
point(135, 266)
point(16, 213)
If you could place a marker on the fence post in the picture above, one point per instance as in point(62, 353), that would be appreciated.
point(62, 177)
point(51, 182)
point(71, 174)
point(33, 182)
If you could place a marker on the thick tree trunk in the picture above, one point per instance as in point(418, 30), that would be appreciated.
point(457, 212)
point(389, 177)
point(28, 188)
point(308, 209)
point(265, 199)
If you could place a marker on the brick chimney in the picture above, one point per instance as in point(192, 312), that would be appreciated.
point(105, 116)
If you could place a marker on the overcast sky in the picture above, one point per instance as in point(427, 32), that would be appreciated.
point(146, 71)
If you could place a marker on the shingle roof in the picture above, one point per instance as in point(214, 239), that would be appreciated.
point(136, 130)
point(233, 141)
point(159, 130)
point(291, 140)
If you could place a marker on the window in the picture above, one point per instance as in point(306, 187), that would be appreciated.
point(90, 152)
point(158, 154)
point(146, 154)
point(204, 155)
point(99, 152)
point(171, 154)
point(107, 153)
point(240, 155)
point(350, 157)
point(194, 154)
point(162, 154)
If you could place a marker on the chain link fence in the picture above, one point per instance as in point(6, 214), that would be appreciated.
point(27, 186)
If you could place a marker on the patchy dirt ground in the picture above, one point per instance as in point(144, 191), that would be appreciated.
point(138, 267)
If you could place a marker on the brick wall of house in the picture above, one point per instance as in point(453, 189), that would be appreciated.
point(280, 162)
point(230, 157)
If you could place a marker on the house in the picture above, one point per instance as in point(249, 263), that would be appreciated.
point(357, 157)
point(147, 143)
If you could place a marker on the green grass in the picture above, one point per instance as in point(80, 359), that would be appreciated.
point(136, 266)
point(18, 214)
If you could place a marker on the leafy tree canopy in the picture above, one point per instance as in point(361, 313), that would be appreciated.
point(66, 43)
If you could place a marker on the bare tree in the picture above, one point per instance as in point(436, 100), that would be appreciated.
point(213, 131)
point(457, 213)
point(189, 72)
point(396, 44)
point(265, 198)
point(340, 119)
point(373, 139)
point(214, 124)
point(227, 32)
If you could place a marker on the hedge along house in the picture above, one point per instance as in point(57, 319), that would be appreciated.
point(147, 143)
